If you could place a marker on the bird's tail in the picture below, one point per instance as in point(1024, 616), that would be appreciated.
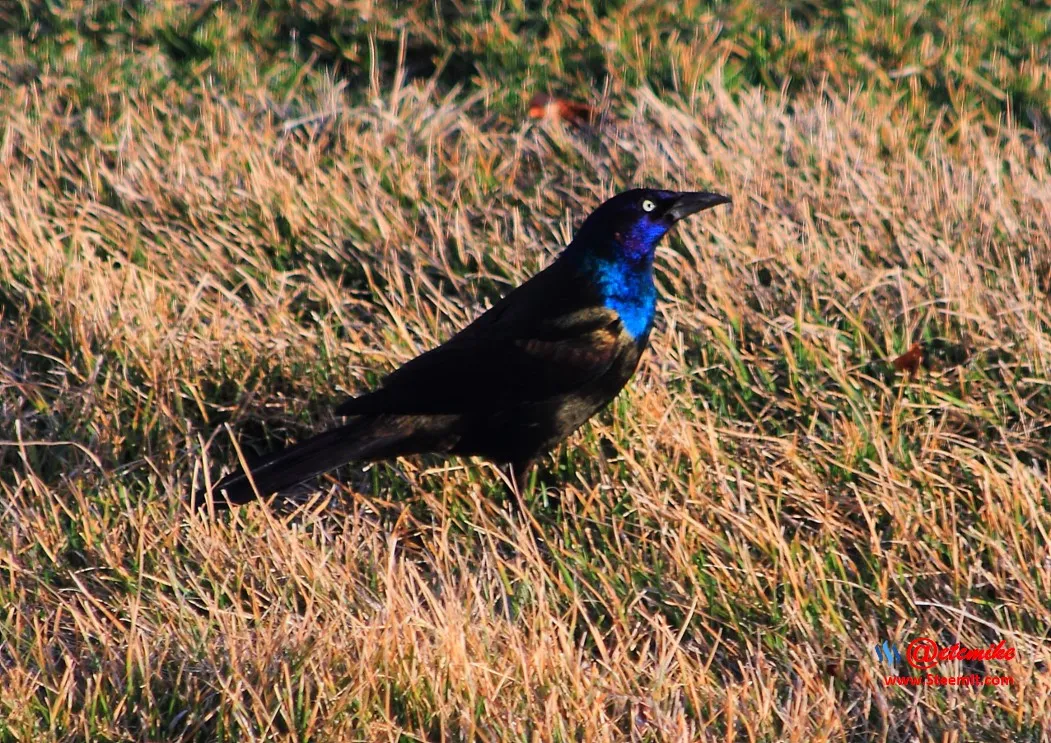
point(366, 438)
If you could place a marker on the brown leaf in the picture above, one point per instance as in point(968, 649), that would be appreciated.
point(572, 112)
point(910, 361)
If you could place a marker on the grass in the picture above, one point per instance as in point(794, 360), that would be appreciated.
point(215, 221)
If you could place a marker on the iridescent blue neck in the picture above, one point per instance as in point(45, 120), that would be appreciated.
point(626, 287)
point(619, 263)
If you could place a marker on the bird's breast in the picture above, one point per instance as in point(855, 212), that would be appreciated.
point(635, 313)
point(628, 290)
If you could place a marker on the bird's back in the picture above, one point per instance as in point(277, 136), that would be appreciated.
point(524, 375)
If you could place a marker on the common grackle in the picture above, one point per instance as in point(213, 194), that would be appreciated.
point(520, 378)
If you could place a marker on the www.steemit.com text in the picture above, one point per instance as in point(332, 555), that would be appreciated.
point(931, 679)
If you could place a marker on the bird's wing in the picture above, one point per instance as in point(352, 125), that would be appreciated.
point(484, 371)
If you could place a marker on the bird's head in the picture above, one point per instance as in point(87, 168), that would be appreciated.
point(615, 247)
point(628, 226)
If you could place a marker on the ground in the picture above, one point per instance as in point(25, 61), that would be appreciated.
point(216, 221)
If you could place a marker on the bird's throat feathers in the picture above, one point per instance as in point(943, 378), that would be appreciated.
point(630, 292)
point(615, 252)
point(626, 287)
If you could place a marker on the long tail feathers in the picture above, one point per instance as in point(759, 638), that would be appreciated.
point(362, 439)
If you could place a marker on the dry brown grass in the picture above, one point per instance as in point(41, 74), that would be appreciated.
point(718, 555)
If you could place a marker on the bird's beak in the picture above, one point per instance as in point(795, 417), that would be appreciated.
point(692, 202)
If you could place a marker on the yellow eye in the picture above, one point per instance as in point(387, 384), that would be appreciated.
point(648, 206)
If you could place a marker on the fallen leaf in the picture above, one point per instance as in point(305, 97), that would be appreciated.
point(910, 360)
point(577, 114)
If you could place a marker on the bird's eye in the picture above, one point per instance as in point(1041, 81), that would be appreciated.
point(648, 206)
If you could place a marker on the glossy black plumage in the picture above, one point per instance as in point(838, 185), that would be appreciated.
point(520, 378)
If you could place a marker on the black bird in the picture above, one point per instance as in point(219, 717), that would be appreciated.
point(520, 378)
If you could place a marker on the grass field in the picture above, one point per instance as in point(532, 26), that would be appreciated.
point(216, 222)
